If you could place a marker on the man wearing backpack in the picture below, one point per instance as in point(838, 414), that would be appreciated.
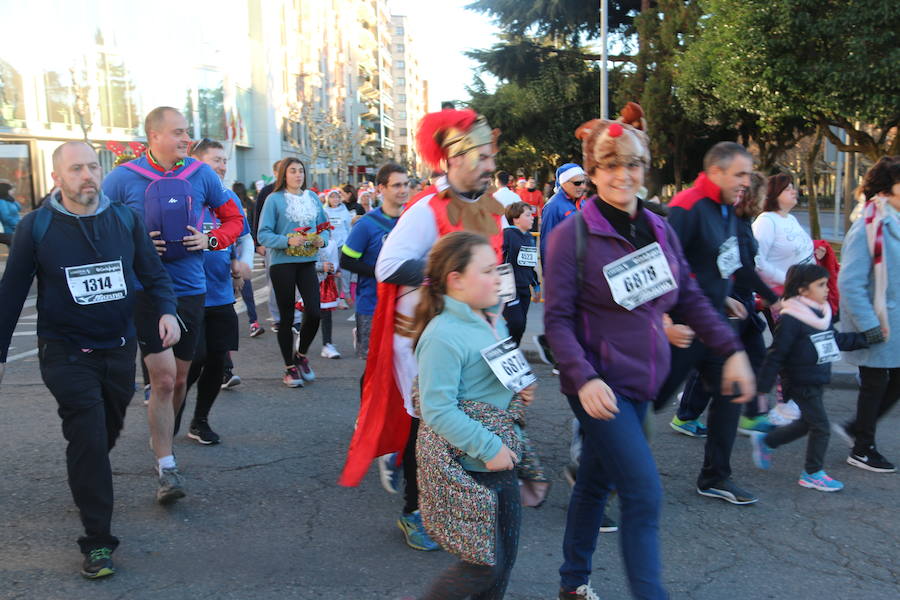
point(169, 191)
point(89, 255)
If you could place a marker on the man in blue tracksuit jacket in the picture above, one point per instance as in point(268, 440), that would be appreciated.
point(89, 255)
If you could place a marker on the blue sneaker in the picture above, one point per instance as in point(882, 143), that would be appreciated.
point(762, 454)
point(747, 425)
point(414, 532)
point(692, 428)
point(302, 364)
point(390, 472)
point(820, 481)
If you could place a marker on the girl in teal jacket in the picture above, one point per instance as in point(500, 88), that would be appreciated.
point(464, 408)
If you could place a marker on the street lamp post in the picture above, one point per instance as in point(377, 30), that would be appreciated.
point(604, 52)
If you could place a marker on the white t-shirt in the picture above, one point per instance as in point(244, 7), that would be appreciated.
point(782, 244)
point(506, 196)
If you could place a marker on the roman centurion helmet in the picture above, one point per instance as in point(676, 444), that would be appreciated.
point(448, 133)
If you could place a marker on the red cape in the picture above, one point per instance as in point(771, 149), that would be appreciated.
point(382, 426)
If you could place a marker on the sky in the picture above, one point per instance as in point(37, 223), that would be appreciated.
point(442, 30)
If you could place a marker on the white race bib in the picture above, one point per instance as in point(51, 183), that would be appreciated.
point(639, 277)
point(729, 259)
point(826, 347)
point(527, 256)
point(507, 283)
point(96, 283)
point(509, 365)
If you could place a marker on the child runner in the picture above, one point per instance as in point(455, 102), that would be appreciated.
point(520, 250)
point(330, 277)
point(339, 217)
point(455, 320)
point(804, 347)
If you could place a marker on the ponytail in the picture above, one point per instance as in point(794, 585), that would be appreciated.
point(450, 254)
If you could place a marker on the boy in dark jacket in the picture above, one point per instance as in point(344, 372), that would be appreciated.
point(804, 347)
point(520, 251)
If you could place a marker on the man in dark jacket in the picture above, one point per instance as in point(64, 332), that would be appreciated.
point(88, 254)
point(704, 220)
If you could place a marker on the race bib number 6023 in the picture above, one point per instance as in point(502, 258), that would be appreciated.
point(96, 283)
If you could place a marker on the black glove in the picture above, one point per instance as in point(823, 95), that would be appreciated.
point(874, 336)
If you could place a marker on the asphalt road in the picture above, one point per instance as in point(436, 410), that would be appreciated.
point(265, 519)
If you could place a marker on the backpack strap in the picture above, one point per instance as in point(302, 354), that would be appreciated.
point(142, 171)
point(41, 224)
point(581, 234)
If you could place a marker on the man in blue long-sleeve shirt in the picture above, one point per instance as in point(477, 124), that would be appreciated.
point(88, 255)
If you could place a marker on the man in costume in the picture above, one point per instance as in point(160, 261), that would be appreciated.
point(462, 145)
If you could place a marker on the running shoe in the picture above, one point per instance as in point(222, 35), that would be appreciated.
point(747, 425)
point(147, 394)
point(692, 428)
point(842, 432)
point(871, 459)
point(582, 592)
point(820, 481)
point(726, 490)
point(292, 377)
point(302, 364)
point(296, 328)
point(203, 433)
point(544, 351)
point(762, 454)
point(230, 380)
point(275, 327)
point(329, 351)
point(98, 563)
point(415, 534)
point(390, 472)
point(608, 524)
point(171, 486)
point(256, 329)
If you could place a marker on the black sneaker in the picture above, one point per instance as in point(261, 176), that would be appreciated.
point(608, 524)
point(726, 490)
point(583, 592)
point(97, 563)
point(201, 431)
point(870, 460)
point(544, 351)
point(230, 380)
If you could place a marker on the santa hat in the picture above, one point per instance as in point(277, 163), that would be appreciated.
point(567, 172)
point(448, 133)
point(521, 181)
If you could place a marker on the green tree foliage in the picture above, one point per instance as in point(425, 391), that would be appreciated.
point(826, 62)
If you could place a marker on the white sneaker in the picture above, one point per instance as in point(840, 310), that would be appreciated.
point(329, 351)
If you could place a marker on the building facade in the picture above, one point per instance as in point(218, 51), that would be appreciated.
point(410, 95)
point(269, 78)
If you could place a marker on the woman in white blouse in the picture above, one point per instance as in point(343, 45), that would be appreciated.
point(782, 241)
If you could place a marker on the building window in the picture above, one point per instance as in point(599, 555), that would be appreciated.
point(399, 31)
point(12, 105)
point(210, 107)
point(59, 98)
point(401, 98)
point(117, 93)
point(401, 115)
point(404, 132)
point(15, 167)
point(400, 64)
point(400, 48)
point(401, 81)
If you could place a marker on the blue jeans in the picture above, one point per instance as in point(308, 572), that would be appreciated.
point(616, 455)
point(249, 301)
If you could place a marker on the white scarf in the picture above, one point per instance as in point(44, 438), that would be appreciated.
point(801, 308)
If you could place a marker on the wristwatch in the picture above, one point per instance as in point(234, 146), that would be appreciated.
point(213, 242)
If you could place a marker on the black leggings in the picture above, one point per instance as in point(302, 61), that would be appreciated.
point(410, 475)
point(326, 327)
point(302, 276)
point(481, 582)
point(207, 373)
